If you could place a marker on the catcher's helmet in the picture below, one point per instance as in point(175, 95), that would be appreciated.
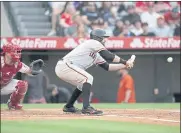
point(98, 35)
point(13, 50)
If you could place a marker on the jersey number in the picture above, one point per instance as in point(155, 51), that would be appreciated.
point(93, 55)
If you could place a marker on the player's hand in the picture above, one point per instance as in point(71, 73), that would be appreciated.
point(129, 64)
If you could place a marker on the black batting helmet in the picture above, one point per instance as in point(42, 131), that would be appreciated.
point(98, 35)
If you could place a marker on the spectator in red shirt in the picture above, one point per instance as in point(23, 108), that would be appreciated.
point(57, 8)
point(142, 6)
point(172, 17)
point(66, 18)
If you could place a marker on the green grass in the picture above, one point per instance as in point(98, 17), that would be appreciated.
point(109, 106)
point(83, 126)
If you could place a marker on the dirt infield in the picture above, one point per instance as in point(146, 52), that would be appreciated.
point(151, 116)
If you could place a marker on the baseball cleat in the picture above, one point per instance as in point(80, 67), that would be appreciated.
point(91, 111)
point(71, 110)
point(14, 107)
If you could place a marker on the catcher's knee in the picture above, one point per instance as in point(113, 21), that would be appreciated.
point(22, 87)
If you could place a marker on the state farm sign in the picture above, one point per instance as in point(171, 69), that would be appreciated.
point(31, 43)
point(155, 43)
point(57, 43)
point(114, 44)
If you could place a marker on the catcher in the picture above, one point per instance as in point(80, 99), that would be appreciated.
point(10, 65)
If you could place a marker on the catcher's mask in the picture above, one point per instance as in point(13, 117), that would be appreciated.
point(13, 50)
point(98, 35)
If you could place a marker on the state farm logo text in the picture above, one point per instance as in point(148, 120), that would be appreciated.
point(31, 43)
point(155, 43)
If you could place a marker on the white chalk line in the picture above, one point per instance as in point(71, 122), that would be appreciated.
point(144, 118)
point(162, 110)
point(171, 111)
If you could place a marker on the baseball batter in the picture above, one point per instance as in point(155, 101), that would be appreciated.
point(10, 65)
point(72, 68)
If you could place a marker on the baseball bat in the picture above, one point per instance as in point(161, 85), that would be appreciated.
point(133, 58)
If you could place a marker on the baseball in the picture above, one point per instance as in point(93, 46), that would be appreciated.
point(169, 59)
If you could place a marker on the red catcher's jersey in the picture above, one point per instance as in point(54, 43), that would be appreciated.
point(9, 71)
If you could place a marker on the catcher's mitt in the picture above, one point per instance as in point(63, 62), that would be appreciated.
point(36, 66)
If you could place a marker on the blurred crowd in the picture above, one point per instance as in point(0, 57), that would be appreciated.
point(77, 19)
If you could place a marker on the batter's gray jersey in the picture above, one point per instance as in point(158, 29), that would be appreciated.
point(86, 54)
